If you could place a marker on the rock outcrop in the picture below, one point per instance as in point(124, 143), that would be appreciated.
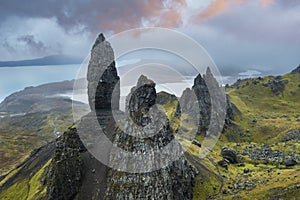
point(64, 175)
point(277, 86)
point(296, 71)
point(173, 180)
point(75, 173)
point(290, 162)
point(229, 154)
point(197, 102)
point(141, 99)
point(292, 135)
point(103, 80)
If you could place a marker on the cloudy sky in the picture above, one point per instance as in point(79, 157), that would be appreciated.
point(238, 34)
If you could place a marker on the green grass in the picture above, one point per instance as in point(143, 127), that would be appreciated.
point(29, 188)
point(275, 114)
point(8, 176)
point(19, 136)
point(268, 184)
point(170, 108)
point(36, 188)
point(17, 191)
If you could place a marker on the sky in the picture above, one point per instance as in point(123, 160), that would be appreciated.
point(238, 34)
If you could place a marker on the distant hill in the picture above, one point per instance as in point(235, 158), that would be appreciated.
point(48, 60)
point(32, 117)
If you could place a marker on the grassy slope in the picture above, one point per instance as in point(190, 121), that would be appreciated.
point(275, 115)
point(27, 180)
point(20, 135)
point(26, 187)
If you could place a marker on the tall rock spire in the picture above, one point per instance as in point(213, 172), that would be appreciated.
point(197, 103)
point(103, 80)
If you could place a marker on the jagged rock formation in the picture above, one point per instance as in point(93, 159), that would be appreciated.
point(102, 77)
point(175, 180)
point(74, 172)
point(211, 80)
point(197, 101)
point(70, 172)
point(229, 111)
point(64, 175)
point(140, 101)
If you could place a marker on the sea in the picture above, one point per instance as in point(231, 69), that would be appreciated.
point(13, 79)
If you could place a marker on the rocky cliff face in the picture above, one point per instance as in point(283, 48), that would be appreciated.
point(175, 180)
point(102, 77)
point(145, 133)
point(64, 175)
point(141, 99)
point(74, 172)
point(197, 103)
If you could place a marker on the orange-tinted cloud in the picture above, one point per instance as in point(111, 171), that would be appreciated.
point(266, 3)
point(164, 14)
point(153, 13)
point(217, 7)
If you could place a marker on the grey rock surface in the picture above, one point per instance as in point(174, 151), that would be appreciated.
point(229, 154)
point(103, 80)
point(173, 181)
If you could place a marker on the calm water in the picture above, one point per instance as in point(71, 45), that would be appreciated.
point(13, 79)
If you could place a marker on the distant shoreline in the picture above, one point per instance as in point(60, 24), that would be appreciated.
point(45, 61)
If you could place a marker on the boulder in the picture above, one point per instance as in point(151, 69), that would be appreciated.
point(223, 163)
point(290, 162)
point(229, 154)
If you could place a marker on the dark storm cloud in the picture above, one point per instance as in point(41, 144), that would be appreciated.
point(287, 3)
point(32, 44)
point(94, 15)
point(239, 34)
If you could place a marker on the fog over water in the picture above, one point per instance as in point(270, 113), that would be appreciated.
point(13, 79)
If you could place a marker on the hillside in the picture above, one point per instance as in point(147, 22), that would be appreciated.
point(264, 135)
point(267, 105)
point(32, 118)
